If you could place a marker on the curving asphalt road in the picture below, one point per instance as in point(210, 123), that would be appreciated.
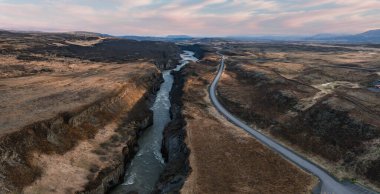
point(328, 184)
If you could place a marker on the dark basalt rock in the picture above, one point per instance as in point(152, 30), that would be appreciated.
point(174, 148)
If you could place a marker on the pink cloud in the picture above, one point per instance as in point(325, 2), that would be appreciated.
point(147, 17)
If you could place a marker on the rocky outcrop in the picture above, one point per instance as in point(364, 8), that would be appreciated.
point(164, 54)
point(63, 133)
point(199, 51)
point(110, 176)
point(174, 148)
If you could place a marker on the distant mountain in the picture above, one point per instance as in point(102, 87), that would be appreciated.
point(372, 36)
point(267, 38)
point(143, 38)
point(169, 38)
point(4, 31)
point(178, 37)
point(75, 33)
point(326, 36)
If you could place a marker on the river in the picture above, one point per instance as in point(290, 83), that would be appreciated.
point(147, 165)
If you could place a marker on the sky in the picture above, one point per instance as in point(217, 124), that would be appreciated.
point(192, 17)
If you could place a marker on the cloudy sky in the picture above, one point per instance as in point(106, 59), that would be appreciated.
point(193, 17)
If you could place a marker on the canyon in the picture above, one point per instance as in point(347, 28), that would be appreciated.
point(70, 122)
point(89, 113)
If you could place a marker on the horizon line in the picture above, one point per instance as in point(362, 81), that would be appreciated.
point(192, 36)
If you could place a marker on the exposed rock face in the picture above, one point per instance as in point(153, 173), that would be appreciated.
point(73, 123)
point(165, 55)
point(174, 148)
point(68, 131)
point(199, 51)
point(89, 47)
point(113, 175)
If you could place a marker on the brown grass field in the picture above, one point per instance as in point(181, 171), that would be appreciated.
point(224, 158)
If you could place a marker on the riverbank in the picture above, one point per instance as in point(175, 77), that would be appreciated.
point(174, 149)
point(70, 121)
point(223, 158)
point(146, 167)
point(82, 149)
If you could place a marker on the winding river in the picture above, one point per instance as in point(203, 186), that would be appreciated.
point(147, 165)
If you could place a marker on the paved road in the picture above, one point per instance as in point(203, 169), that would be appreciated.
point(328, 183)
